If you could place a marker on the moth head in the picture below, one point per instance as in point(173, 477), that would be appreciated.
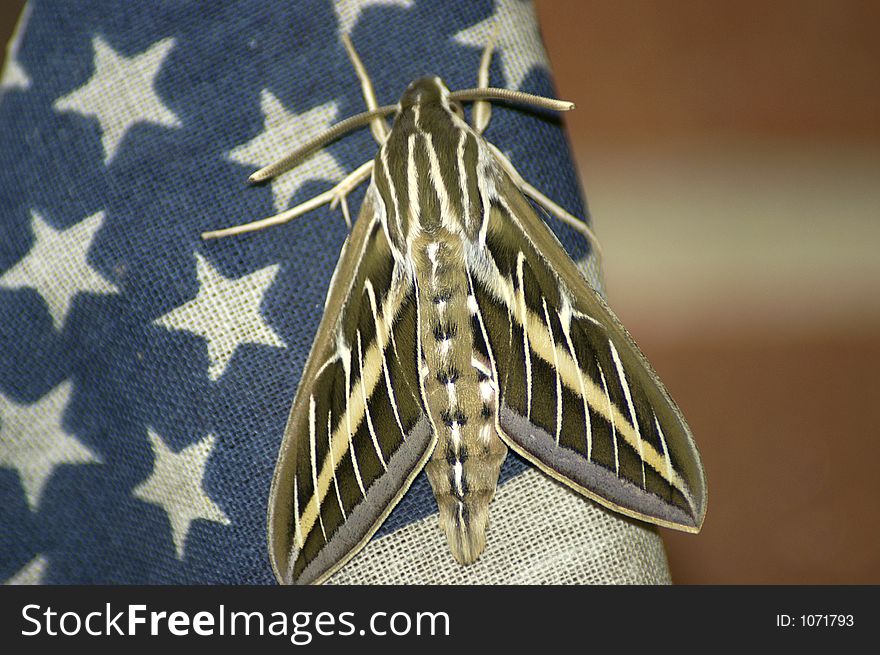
point(426, 91)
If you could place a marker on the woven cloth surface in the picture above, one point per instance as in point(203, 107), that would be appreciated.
point(146, 375)
point(541, 533)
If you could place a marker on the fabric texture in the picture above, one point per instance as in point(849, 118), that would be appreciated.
point(146, 375)
point(541, 533)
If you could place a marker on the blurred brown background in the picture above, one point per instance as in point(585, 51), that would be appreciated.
point(730, 152)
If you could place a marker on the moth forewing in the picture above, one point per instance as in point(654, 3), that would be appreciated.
point(356, 436)
point(617, 435)
point(282, 533)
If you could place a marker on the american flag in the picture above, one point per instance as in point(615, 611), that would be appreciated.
point(146, 375)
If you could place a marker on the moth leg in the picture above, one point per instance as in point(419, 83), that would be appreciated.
point(378, 126)
point(482, 110)
point(334, 196)
point(549, 205)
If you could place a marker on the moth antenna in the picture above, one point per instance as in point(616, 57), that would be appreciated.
point(483, 110)
point(378, 126)
point(506, 95)
point(316, 143)
point(334, 196)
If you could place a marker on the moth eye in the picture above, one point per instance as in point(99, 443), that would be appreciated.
point(457, 109)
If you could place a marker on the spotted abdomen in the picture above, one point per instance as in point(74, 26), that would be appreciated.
point(459, 396)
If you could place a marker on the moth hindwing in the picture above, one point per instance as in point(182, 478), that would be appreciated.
point(456, 327)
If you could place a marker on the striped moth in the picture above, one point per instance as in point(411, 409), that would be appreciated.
point(456, 327)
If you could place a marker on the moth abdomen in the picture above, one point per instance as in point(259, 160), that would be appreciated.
point(463, 469)
point(464, 503)
point(454, 418)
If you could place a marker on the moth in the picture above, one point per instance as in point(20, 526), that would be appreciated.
point(456, 327)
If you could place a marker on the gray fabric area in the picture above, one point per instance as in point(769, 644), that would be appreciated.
point(540, 532)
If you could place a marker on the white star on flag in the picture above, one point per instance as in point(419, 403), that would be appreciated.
point(121, 93)
point(226, 312)
point(348, 11)
point(14, 76)
point(518, 41)
point(57, 265)
point(283, 132)
point(31, 573)
point(175, 485)
point(34, 442)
